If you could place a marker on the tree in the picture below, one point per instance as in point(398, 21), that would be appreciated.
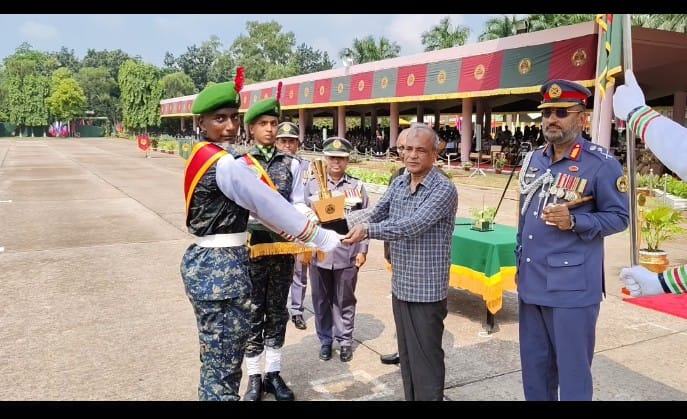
point(101, 91)
point(67, 100)
point(27, 86)
point(141, 93)
point(197, 61)
point(444, 35)
point(66, 58)
point(176, 84)
point(112, 60)
point(367, 50)
point(306, 60)
point(59, 75)
point(222, 68)
point(265, 51)
point(498, 28)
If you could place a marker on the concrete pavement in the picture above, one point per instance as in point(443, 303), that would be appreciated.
point(93, 308)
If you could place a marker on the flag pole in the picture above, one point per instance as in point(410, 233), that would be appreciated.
point(630, 149)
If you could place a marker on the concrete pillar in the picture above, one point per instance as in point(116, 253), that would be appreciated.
point(487, 119)
point(341, 120)
point(679, 100)
point(301, 125)
point(182, 124)
point(420, 112)
point(479, 112)
point(437, 117)
point(466, 130)
point(393, 123)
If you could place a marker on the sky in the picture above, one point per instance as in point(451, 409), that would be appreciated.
point(150, 35)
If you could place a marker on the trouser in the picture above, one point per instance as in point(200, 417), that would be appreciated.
point(271, 277)
point(419, 330)
point(556, 351)
point(222, 331)
point(333, 300)
point(217, 285)
point(298, 287)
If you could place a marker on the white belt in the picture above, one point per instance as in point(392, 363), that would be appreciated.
point(222, 240)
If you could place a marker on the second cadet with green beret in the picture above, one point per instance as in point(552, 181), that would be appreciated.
point(220, 192)
point(272, 258)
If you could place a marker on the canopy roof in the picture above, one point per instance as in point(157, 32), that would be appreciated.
point(509, 71)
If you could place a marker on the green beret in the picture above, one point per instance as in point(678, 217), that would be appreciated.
point(219, 95)
point(269, 106)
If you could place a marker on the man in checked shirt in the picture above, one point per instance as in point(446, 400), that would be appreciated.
point(417, 216)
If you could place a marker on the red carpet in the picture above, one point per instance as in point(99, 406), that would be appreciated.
point(665, 303)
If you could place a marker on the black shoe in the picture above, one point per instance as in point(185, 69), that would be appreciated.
point(390, 359)
point(299, 322)
point(275, 384)
point(326, 352)
point(345, 353)
point(254, 392)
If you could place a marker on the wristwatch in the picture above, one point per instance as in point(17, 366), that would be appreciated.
point(572, 222)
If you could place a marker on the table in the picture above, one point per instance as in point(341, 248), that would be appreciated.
point(484, 263)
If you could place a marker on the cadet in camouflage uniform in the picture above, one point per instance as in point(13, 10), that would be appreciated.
point(220, 191)
point(272, 259)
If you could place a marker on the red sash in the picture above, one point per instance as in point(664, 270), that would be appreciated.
point(203, 156)
point(255, 165)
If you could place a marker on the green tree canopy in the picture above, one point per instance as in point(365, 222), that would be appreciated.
point(66, 58)
point(306, 60)
point(141, 93)
point(176, 84)
point(27, 85)
point(265, 51)
point(444, 35)
point(367, 50)
point(67, 100)
point(100, 88)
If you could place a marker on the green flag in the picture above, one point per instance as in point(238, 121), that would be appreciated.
point(610, 53)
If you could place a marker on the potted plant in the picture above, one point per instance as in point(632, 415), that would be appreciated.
point(655, 226)
point(466, 165)
point(484, 218)
point(499, 163)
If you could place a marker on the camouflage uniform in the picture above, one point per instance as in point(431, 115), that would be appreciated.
point(271, 273)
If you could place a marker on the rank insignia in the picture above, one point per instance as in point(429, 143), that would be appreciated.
point(573, 169)
point(621, 183)
point(533, 169)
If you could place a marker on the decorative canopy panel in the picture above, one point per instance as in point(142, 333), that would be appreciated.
point(514, 65)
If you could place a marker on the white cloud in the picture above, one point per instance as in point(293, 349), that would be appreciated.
point(35, 32)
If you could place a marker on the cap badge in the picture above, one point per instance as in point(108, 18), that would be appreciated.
point(555, 91)
point(336, 144)
point(286, 128)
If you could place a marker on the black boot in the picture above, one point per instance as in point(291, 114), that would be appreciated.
point(275, 384)
point(254, 392)
point(390, 359)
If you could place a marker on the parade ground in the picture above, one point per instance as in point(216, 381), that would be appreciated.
point(93, 307)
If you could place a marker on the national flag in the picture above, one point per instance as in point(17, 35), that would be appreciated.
point(610, 53)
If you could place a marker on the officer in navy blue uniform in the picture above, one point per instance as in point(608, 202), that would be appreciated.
point(573, 195)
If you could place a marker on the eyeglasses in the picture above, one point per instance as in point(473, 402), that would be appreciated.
point(560, 113)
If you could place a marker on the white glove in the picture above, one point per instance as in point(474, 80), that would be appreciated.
point(640, 281)
point(627, 97)
point(327, 240)
point(312, 217)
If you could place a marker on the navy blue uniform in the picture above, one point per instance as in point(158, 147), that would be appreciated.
point(561, 273)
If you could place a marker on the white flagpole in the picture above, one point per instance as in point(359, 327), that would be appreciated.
point(631, 163)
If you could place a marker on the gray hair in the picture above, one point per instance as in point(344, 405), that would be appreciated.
point(417, 126)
